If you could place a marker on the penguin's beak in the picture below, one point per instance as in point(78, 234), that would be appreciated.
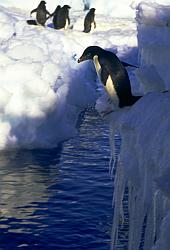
point(81, 59)
point(84, 57)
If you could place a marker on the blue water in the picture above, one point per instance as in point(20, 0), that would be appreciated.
point(60, 198)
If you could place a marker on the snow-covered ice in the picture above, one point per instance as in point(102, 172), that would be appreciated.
point(38, 72)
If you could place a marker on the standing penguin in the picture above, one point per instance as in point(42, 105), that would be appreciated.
point(112, 74)
point(89, 20)
point(55, 16)
point(41, 13)
point(63, 19)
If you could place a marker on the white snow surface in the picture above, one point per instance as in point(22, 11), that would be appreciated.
point(43, 89)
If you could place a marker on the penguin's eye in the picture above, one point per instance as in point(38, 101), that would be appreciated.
point(89, 55)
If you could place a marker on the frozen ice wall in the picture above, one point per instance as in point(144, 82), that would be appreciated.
point(154, 45)
point(144, 160)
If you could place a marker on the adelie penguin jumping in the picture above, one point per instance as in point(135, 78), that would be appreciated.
point(112, 74)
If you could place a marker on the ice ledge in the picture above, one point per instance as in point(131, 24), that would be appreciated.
point(143, 167)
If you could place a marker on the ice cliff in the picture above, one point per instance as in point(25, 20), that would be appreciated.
point(143, 166)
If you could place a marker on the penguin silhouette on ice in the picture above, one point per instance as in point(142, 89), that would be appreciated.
point(112, 74)
point(41, 14)
point(89, 20)
point(55, 16)
point(63, 19)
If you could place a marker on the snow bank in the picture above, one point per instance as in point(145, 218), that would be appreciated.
point(38, 107)
point(154, 47)
point(43, 88)
point(143, 164)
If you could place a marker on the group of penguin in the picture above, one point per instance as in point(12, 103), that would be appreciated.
point(60, 17)
point(111, 71)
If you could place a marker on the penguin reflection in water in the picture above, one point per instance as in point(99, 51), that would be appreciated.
point(89, 20)
point(112, 74)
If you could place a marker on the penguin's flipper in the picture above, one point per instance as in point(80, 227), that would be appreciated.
point(104, 74)
point(114, 68)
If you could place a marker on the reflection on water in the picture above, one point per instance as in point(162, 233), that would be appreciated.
point(58, 198)
point(24, 180)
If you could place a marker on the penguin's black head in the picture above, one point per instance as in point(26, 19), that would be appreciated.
point(66, 6)
point(58, 7)
point(89, 53)
point(92, 10)
point(42, 2)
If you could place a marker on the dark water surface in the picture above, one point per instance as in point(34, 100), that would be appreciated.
point(60, 198)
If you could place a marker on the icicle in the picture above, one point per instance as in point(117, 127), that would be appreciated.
point(119, 189)
point(117, 142)
point(114, 139)
point(136, 218)
point(149, 239)
point(112, 146)
point(131, 216)
point(158, 213)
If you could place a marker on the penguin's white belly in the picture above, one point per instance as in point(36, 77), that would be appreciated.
point(97, 66)
point(109, 87)
point(92, 26)
point(66, 25)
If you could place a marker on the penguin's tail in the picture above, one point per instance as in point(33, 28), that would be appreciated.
point(86, 31)
point(129, 65)
point(32, 22)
